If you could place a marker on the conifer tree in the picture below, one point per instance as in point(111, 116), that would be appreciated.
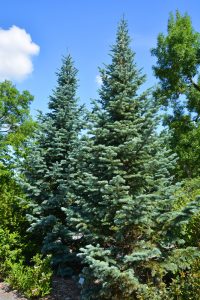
point(125, 188)
point(51, 167)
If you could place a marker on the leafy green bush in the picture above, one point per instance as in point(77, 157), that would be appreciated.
point(33, 279)
point(10, 249)
point(186, 286)
point(12, 211)
point(186, 194)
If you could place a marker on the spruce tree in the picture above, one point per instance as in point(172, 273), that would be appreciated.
point(50, 167)
point(125, 189)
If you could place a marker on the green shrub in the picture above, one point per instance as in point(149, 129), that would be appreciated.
point(32, 281)
point(186, 194)
point(186, 286)
point(12, 210)
point(10, 249)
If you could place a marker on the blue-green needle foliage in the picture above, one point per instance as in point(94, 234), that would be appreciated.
point(125, 189)
point(50, 170)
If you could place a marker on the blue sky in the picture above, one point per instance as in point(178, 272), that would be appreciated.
point(85, 29)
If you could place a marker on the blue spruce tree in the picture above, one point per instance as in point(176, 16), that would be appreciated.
point(125, 189)
point(50, 168)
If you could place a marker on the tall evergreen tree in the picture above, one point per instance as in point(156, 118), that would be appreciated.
point(51, 167)
point(125, 188)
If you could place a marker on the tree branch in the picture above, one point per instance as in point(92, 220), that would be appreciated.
point(196, 86)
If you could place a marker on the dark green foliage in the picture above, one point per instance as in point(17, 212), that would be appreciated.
point(177, 68)
point(51, 168)
point(15, 122)
point(32, 280)
point(187, 284)
point(16, 245)
point(14, 108)
point(16, 126)
point(178, 58)
point(12, 210)
point(189, 194)
point(185, 142)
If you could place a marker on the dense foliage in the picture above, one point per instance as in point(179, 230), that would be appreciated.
point(186, 284)
point(98, 194)
point(177, 68)
point(32, 280)
point(51, 171)
point(126, 212)
point(16, 248)
point(16, 123)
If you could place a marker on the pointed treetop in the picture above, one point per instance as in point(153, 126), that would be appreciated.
point(65, 92)
point(121, 78)
point(67, 71)
point(123, 37)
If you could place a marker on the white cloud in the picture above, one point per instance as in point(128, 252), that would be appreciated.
point(99, 80)
point(16, 51)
